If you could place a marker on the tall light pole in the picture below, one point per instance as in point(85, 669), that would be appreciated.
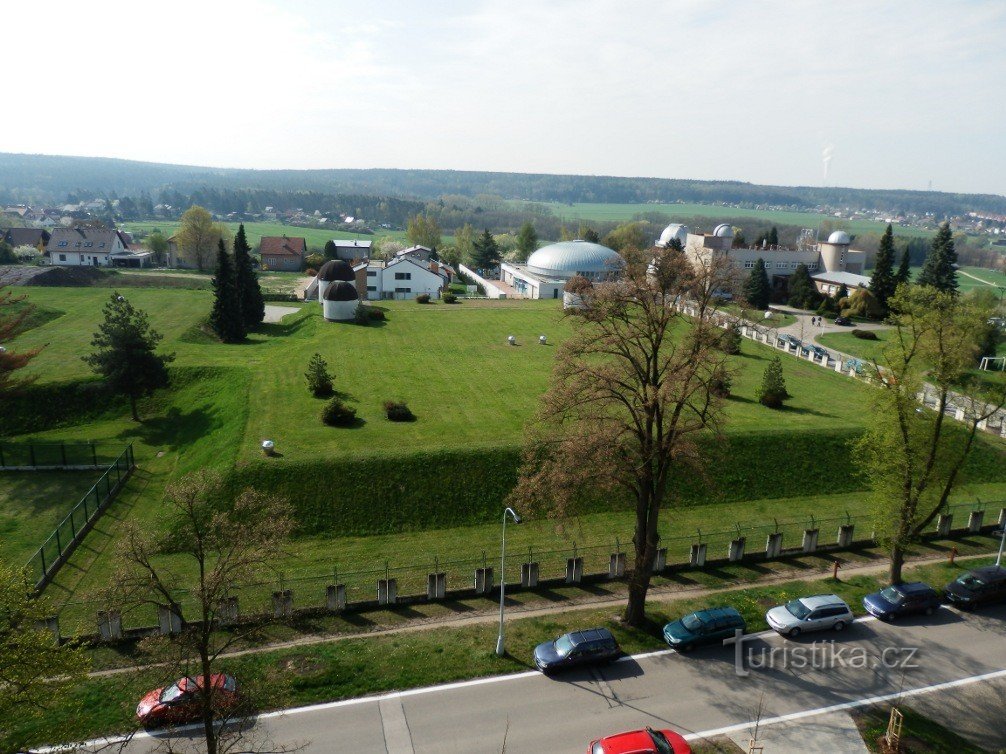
point(1002, 541)
point(516, 519)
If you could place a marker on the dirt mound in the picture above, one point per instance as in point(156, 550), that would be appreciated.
point(66, 277)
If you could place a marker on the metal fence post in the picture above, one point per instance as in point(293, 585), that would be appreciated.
point(94, 455)
point(59, 547)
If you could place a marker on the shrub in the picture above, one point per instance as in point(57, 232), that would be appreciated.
point(310, 272)
point(773, 392)
point(377, 315)
point(398, 411)
point(730, 341)
point(319, 381)
point(362, 314)
point(720, 384)
point(423, 298)
point(864, 334)
point(450, 298)
point(314, 261)
point(578, 285)
point(338, 414)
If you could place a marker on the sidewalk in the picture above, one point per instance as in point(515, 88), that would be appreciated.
point(835, 732)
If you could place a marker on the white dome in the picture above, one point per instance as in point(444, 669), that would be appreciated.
point(674, 230)
point(567, 258)
point(724, 230)
point(839, 236)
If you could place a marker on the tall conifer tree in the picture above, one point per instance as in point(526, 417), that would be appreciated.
point(225, 318)
point(756, 288)
point(904, 274)
point(249, 290)
point(939, 270)
point(884, 281)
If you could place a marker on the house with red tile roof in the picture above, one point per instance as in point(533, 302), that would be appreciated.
point(283, 253)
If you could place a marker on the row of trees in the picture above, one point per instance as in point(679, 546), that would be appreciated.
point(238, 305)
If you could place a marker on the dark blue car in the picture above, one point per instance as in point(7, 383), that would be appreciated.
point(589, 647)
point(902, 599)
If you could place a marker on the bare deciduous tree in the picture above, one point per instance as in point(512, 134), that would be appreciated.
point(218, 545)
point(632, 391)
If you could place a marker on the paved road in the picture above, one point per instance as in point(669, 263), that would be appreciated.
point(697, 694)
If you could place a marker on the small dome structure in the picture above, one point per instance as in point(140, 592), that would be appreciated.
point(724, 230)
point(839, 237)
point(332, 271)
point(340, 301)
point(674, 230)
point(565, 259)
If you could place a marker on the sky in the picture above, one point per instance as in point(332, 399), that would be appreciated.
point(896, 94)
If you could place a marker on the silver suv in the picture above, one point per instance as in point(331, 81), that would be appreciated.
point(810, 614)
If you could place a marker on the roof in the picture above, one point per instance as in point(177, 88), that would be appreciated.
point(25, 236)
point(341, 291)
point(820, 600)
point(915, 587)
point(352, 243)
point(848, 279)
point(96, 236)
point(282, 246)
point(573, 257)
point(335, 269)
point(590, 634)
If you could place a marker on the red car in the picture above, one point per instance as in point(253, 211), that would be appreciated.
point(180, 703)
point(646, 741)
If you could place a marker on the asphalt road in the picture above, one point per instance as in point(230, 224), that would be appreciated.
point(698, 693)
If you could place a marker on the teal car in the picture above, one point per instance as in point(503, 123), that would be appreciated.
point(710, 626)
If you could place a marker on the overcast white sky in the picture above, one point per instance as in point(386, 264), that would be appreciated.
point(903, 93)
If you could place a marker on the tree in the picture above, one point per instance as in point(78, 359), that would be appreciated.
point(527, 241)
point(226, 317)
point(627, 236)
point(14, 314)
point(319, 381)
point(939, 269)
point(158, 244)
point(884, 282)
point(36, 671)
point(730, 340)
point(464, 241)
point(913, 457)
point(803, 294)
point(125, 352)
point(840, 295)
point(249, 290)
point(198, 236)
point(423, 230)
point(331, 251)
point(589, 234)
point(485, 252)
point(628, 400)
point(773, 237)
point(772, 392)
point(756, 288)
point(7, 253)
point(229, 541)
point(904, 274)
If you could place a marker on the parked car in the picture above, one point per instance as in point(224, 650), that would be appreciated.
point(179, 703)
point(981, 586)
point(785, 339)
point(821, 353)
point(902, 599)
point(589, 647)
point(815, 613)
point(704, 627)
point(843, 321)
point(645, 741)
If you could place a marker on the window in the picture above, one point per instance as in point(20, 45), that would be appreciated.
point(780, 265)
point(78, 244)
point(403, 290)
point(403, 276)
point(101, 245)
point(88, 244)
point(62, 244)
point(371, 287)
point(371, 273)
point(62, 257)
point(793, 265)
point(749, 264)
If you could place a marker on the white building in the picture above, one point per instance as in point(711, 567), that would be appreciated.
point(549, 268)
point(404, 278)
point(339, 302)
point(92, 247)
point(351, 249)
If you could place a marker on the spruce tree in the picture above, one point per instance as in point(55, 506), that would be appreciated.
point(884, 281)
point(485, 251)
point(904, 274)
point(756, 288)
point(319, 380)
point(225, 318)
point(802, 291)
point(249, 290)
point(773, 237)
point(124, 352)
point(331, 252)
point(773, 392)
point(938, 270)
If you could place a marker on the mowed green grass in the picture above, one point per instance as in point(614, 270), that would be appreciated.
point(315, 237)
point(601, 212)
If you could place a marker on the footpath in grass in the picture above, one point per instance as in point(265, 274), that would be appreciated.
point(376, 664)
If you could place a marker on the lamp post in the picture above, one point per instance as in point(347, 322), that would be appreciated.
point(516, 519)
point(1002, 541)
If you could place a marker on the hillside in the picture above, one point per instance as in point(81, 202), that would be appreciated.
point(48, 177)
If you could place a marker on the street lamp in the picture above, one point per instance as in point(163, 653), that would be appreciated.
point(516, 519)
point(1001, 533)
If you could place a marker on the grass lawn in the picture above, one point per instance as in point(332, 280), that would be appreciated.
point(919, 734)
point(316, 237)
point(587, 211)
point(32, 503)
point(357, 667)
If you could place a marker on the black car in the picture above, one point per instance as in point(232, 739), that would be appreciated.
point(902, 599)
point(710, 626)
point(981, 586)
point(844, 321)
point(589, 647)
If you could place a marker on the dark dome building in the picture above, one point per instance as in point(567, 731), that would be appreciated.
point(339, 301)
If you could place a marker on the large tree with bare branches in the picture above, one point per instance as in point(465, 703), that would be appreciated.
point(633, 390)
point(913, 457)
point(219, 543)
point(14, 313)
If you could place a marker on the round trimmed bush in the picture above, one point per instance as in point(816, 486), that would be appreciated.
point(423, 298)
point(450, 298)
point(398, 411)
point(865, 334)
point(338, 414)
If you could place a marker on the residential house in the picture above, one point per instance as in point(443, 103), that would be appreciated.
point(84, 246)
point(37, 237)
point(404, 278)
point(352, 249)
point(283, 253)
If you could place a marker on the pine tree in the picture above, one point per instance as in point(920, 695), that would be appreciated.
point(485, 251)
point(756, 288)
point(884, 282)
point(773, 237)
point(527, 240)
point(591, 235)
point(802, 291)
point(773, 392)
point(904, 274)
point(249, 290)
point(319, 381)
point(225, 318)
point(331, 252)
point(938, 270)
point(841, 293)
point(124, 353)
